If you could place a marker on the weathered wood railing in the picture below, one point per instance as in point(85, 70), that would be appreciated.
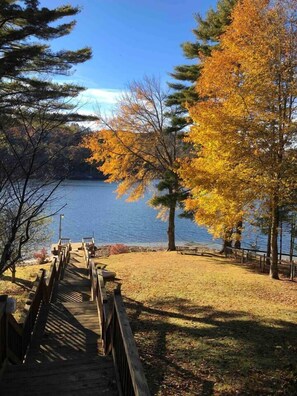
point(260, 257)
point(117, 336)
point(15, 337)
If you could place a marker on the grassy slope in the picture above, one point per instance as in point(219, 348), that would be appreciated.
point(205, 326)
point(25, 277)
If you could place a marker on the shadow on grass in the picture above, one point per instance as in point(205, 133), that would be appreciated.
point(26, 284)
point(254, 267)
point(187, 351)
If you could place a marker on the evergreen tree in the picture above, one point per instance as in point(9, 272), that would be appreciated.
point(207, 34)
point(31, 106)
point(26, 59)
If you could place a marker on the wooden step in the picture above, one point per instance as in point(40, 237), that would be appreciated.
point(77, 377)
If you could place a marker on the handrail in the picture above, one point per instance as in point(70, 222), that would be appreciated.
point(125, 354)
point(117, 336)
point(263, 260)
point(15, 337)
point(256, 251)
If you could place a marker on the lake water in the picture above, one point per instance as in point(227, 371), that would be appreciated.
point(92, 209)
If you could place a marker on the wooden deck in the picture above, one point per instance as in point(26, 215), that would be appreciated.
point(66, 356)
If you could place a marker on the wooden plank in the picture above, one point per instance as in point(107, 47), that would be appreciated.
point(14, 324)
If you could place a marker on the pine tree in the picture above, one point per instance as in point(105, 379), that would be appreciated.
point(26, 57)
point(31, 106)
point(207, 35)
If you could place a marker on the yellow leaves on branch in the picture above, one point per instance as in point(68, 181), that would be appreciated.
point(246, 124)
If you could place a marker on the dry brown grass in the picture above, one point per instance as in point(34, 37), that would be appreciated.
point(205, 326)
point(25, 277)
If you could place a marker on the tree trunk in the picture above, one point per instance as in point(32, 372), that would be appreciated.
point(274, 236)
point(268, 253)
point(292, 238)
point(237, 243)
point(227, 242)
point(171, 228)
point(13, 271)
point(281, 239)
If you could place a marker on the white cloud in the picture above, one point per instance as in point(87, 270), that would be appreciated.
point(107, 96)
point(94, 98)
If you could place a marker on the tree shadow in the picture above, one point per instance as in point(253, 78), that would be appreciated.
point(186, 350)
point(253, 267)
point(26, 284)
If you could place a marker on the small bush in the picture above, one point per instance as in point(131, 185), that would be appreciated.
point(118, 248)
point(41, 256)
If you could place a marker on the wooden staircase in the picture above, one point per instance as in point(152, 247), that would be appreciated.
point(85, 376)
point(66, 356)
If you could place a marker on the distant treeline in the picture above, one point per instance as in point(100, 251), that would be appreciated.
point(61, 153)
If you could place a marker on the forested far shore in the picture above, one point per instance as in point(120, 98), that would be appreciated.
point(61, 154)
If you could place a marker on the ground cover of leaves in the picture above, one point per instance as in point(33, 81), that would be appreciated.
point(25, 277)
point(206, 326)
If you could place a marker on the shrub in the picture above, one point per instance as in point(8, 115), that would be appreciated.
point(118, 248)
point(41, 256)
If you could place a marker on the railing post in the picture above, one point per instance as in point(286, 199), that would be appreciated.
point(292, 271)
point(3, 332)
point(45, 294)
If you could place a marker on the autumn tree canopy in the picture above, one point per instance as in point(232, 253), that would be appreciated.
point(246, 124)
point(139, 146)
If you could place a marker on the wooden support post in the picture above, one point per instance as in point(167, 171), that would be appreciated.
point(3, 333)
point(45, 295)
point(292, 271)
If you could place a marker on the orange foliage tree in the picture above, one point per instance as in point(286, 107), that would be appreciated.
point(139, 145)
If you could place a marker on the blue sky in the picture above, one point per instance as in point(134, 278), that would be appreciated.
point(129, 39)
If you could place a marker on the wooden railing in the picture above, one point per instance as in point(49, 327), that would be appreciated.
point(15, 337)
point(260, 257)
point(117, 336)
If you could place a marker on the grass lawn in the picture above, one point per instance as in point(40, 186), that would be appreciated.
point(25, 277)
point(206, 326)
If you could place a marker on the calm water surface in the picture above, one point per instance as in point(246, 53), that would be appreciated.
point(92, 209)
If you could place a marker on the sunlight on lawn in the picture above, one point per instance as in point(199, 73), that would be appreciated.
point(208, 326)
point(25, 277)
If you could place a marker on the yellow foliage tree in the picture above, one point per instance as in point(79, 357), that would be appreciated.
point(246, 125)
point(139, 145)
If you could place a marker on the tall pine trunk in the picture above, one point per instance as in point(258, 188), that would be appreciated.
point(274, 236)
point(171, 228)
